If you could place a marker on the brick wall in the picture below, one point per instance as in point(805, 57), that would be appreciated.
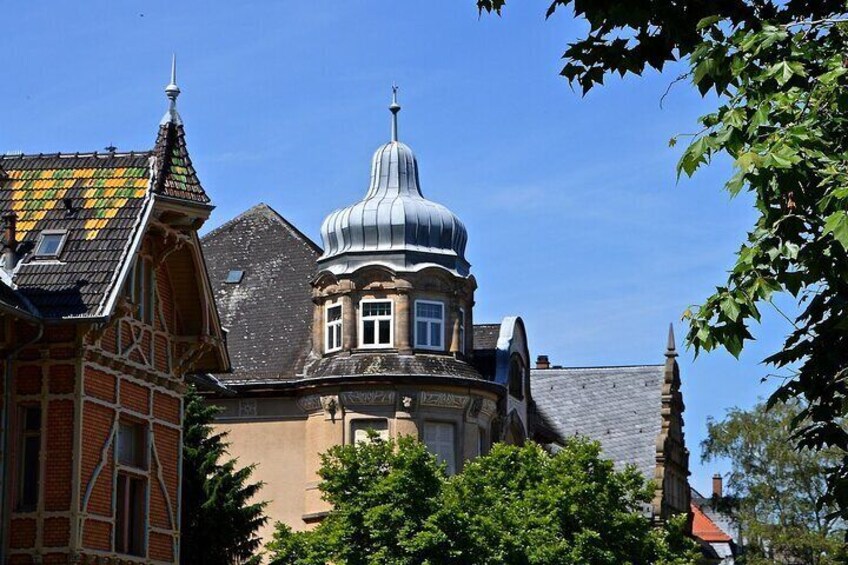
point(87, 379)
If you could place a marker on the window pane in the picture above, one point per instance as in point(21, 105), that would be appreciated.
point(370, 309)
point(368, 332)
point(435, 335)
point(31, 464)
point(385, 332)
point(131, 445)
point(421, 333)
point(439, 439)
point(49, 244)
point(427, 310)
point(32, 419)
point(334, 313)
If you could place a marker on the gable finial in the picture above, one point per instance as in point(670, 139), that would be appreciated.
point(172, 91)
point(671, 348)
point(394, 108)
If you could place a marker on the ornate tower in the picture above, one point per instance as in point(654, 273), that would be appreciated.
point(393, 278)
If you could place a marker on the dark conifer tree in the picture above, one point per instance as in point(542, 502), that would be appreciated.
point(220, 515)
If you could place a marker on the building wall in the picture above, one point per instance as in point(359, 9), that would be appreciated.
point(88, 379)
point(286, 435)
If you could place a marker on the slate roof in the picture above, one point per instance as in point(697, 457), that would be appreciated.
point(98, 199)
point(486, 336)
point(269, 313)
point(485, 349)
point(391, 364)
point(618, 406)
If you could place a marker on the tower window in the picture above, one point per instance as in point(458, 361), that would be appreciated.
point(429, 325)
point(360, 430)
point(50, 243)
point(334, 328)
point(439, 437)
point(376, 321)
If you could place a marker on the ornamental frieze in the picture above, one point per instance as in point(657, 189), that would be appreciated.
point(443, 400)
point(309, 403)
point(369, 397)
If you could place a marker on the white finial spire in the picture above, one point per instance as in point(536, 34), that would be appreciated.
point(394, 109)
point(172, 91)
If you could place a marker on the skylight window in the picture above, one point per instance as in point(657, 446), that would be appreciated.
point(234, 276)
point(50, 243)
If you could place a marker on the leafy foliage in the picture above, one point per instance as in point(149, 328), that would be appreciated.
point(392, 503)
point(774, 488)
point(780, 71)
point(219, 515)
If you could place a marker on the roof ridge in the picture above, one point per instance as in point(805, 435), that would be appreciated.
point(76, 155)
point(263, 207)
point(600, 367)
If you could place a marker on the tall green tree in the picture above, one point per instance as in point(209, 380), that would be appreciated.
point(220, 514)
point(779, 69)
point(774, 488)
point(393, 504)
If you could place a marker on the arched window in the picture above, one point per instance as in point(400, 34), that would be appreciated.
point(516, 378)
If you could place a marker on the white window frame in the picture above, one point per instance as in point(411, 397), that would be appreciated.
point(377, 319)
point(462, 330)
point(366, 424)
point(429, 322)
point(452, 463)
point(337, 324)
point(63, 237)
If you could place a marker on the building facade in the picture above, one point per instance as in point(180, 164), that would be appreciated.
point(106, 307)
point(374, 330)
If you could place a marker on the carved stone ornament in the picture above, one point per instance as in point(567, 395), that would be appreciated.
point(331, 405)
point(247, 407)
point(489, 407)
point(309, 403)
point(443, 400)
point(475, 406)
point(369, 397)
point(407, 401)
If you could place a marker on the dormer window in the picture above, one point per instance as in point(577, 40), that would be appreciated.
point(234, 276)
point(375, 324)
point(50, 243)
point(333, 334)
point(429, 325)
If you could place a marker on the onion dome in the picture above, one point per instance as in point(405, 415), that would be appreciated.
point(394, 225)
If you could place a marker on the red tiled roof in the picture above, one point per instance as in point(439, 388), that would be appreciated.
point(706, 529)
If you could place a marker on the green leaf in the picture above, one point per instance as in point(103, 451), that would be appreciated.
point(707, 22)
point(730, 308)
point(837, 224)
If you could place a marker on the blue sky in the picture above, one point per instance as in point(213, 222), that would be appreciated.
point(575, 219)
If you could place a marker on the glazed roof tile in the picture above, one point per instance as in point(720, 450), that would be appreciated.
point(98, 200)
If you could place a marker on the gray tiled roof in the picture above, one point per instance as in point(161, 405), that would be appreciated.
point(618, 406)
point(392, 364)
point(269, 313)
point(486, 336)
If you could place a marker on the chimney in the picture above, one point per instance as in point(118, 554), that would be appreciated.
point(542, 362)
point(717, 486)
point(10, 256)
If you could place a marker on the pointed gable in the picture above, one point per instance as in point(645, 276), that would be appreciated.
point(175, 174)
point(267, 308)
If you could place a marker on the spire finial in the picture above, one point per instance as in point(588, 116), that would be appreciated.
point(394, 108)
point(172, 91)
point(671, 348)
